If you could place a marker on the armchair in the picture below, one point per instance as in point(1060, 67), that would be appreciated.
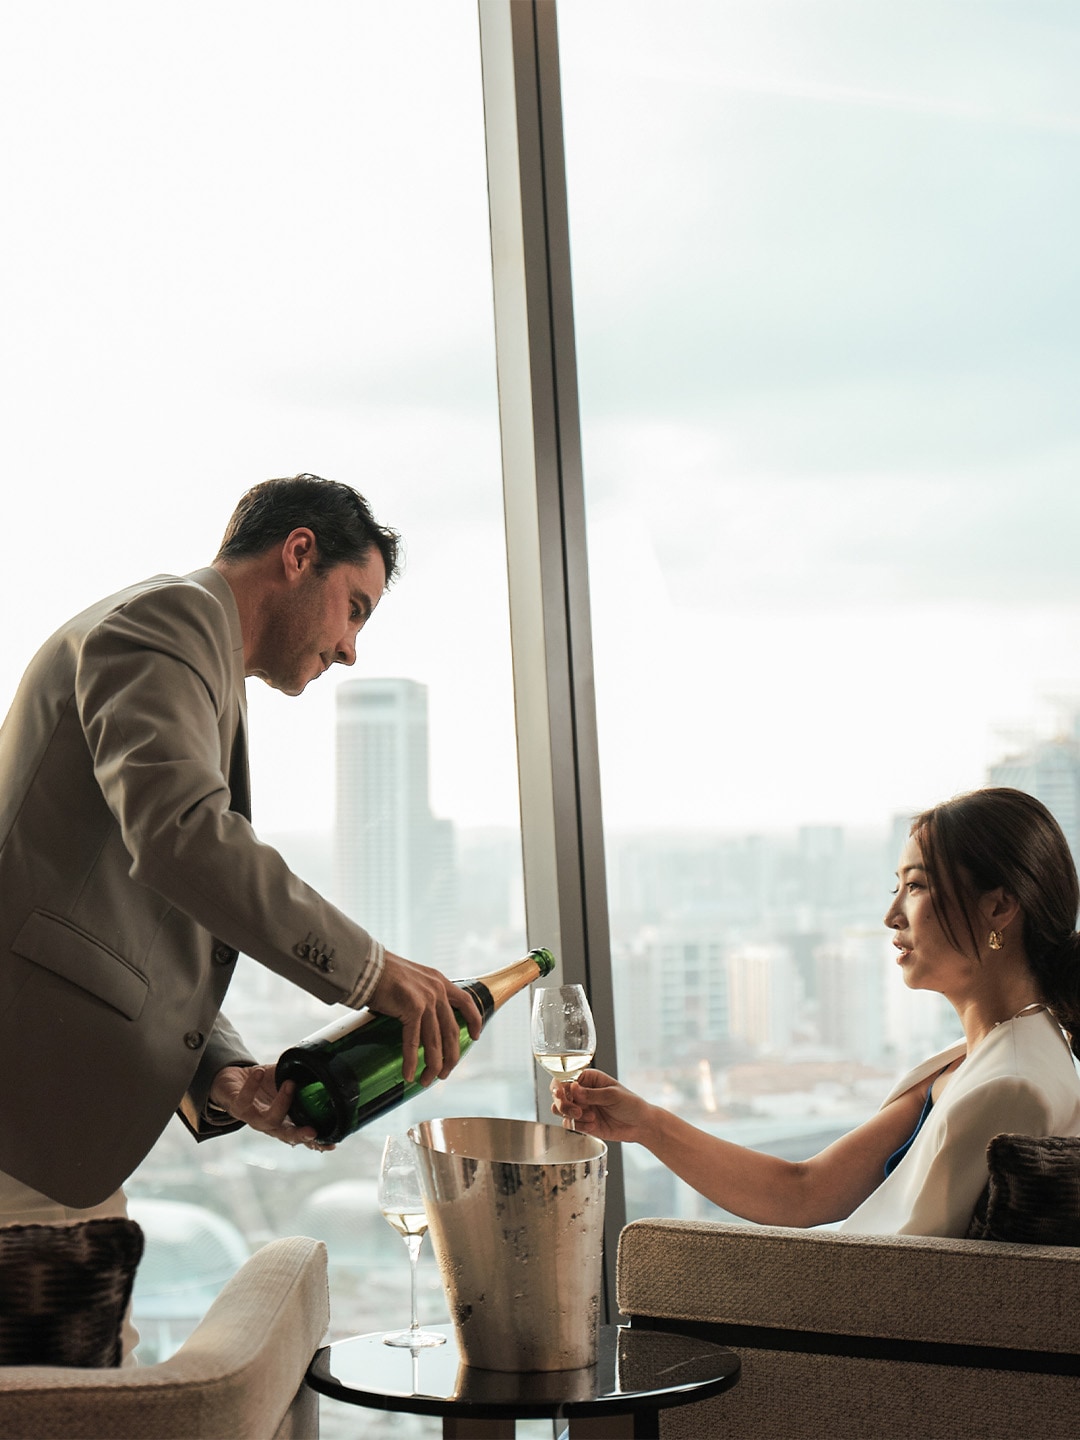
point(857, 1336)
point(238, 1376)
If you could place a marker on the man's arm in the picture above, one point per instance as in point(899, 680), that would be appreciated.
point(159, 695)
point(224, 1048)
point(159, 700)
point(230, 1089)
point(250, 1096)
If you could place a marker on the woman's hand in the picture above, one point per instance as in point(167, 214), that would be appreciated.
point(601, 1107)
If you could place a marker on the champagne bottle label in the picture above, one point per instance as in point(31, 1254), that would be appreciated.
point(351, 1072)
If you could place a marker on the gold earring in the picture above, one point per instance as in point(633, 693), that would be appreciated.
point(995, 941)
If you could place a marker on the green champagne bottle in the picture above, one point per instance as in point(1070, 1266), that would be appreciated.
point(351, 1071)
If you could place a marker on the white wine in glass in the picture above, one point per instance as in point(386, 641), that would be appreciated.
point(414, 1223)
point(566, 1066)
point(402, 1204)
point(563, 1032)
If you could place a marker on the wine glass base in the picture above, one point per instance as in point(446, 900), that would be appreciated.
point(414, 1339)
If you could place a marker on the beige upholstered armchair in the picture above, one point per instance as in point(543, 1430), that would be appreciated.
point(858, 1337)
point(238, 1376)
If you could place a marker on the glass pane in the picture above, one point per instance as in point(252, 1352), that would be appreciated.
point(252, 240)
point(826, 319)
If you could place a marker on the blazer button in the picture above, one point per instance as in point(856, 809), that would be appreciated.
point(223, 955)
point(193, 1039)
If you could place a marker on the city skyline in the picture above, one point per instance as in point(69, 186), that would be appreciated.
point(310, 726)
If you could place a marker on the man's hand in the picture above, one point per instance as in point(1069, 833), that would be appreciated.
point(248, 1093)
point(424, 1001)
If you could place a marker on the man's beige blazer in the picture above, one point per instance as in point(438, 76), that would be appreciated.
point(130, 878)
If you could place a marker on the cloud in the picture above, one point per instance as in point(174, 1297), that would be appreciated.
point(753, 717)
point(738, 531)
point(838, 195)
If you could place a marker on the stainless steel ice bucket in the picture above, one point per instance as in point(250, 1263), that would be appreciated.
point(516, 1216)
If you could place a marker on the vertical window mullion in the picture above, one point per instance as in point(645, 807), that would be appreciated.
point(558, 761)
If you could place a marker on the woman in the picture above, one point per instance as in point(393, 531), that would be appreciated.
point(985, 913)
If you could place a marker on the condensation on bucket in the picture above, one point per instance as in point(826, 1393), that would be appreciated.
point(516, 1216)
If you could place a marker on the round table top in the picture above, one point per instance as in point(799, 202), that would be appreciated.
point(636, 1369)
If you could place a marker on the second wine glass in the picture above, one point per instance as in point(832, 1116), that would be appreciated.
point(401, 1201)
point(563, 1032)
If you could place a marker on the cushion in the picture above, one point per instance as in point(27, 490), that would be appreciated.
point(1033, 1196)
point(64, 1290)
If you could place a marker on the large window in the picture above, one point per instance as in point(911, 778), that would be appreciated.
point(245, 241)
point(827, 363)
point(826, 309)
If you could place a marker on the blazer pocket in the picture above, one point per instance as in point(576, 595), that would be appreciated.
point(71, 953)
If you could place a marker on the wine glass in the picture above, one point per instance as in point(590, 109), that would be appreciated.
point(563, 1032)
point(402, 1204)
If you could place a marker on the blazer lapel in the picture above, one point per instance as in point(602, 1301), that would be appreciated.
point(239, 776)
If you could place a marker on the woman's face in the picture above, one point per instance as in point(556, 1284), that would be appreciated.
point(927, 957)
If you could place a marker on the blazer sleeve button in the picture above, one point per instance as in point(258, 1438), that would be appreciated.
point(193, 1039)
point(224, 955)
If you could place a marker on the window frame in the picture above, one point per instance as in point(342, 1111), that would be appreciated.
point(562, 833)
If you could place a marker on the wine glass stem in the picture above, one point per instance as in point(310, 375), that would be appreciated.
point(414, 1242)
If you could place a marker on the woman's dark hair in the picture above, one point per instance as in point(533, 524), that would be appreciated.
point(1003, 837)
point(338, 516)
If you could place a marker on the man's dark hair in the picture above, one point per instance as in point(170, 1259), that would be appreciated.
point(338, 516)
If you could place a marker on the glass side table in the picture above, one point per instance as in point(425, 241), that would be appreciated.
point(638, 1373)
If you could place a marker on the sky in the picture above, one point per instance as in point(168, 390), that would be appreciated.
point(826, 309)
point(827, 328)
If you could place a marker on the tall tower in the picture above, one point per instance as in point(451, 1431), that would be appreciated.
point(1049, 770)
point(855, 974)
point(394, 862)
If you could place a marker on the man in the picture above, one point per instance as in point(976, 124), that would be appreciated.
point(130, 876)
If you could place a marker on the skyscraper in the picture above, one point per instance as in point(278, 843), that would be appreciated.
point(764, 995)
point(393, 860)
point(855, 970)
point(1049, 770)
point(671, 996)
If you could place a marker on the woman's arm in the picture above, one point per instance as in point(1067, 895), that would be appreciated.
point(753, 1185)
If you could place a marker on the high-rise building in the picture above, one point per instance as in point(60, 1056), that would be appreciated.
point(393, 860)
point(822, 865)
point(764, 995)
point(1049, 770)
point(671, 997)
point(854, 970)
